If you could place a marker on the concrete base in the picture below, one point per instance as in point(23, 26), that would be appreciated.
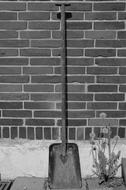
point(35, 183)
point(28, 183)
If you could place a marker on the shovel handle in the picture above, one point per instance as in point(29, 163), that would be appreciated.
point(64, 79)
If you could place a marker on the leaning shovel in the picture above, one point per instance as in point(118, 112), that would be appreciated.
point(64, 164)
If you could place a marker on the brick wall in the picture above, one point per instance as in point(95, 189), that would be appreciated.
point(30, 90)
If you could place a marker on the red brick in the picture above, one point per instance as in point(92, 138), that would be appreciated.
point(22, 132)
point(14, 96)
point(75, 16)
point(30, 133)
point(39, 88)
point(8, 34)
point(70, 52)
point(80, 7)
point(111, 79)
point(121, 34)
point(10, 105)
point(13, 6)
point(14, 132)
point(13, 25)
point(100, 52)
point(109, 25)
point(35, 34)
point(80, 79)
point(101, 122)
point(110, 62)
point(46, 43)
point(100, 16)
point(14, 79)
point(55, 133)
point(121, 15)
point(46, 97)
point(122, 88)
point(80, 133)
point(100, 34)
point(14, 43)
point(80, 61)
point(79, 25)
point(70, 34)
point(49, 114)
point(111, 43)
point(71, 70)
point(39, 122)
point(10, 70)
point(76, 105)
point(8, 16)
point(17, 113)
point(72, 133)
point(38, 70)
point(80, 97)
point(115, 6)
point(10, 88)
point(46, 79)
point(102, 88)
point(42, 6)
point(122, 52)
point(97, 131)
point(71, 88)
point(88, 130)
point(122, 70)
point(101, 105)
point(5, 132)
point(47, 133)
point(8, 52)
point(80, 43)
point(35, 52)
point(13, 61)
point(121, 132)
point(112, 114)
point(39, 133)
point(73, 105)
point(44, 25)
point(122, 106)
point(109, 97)
point(45, 61)
point(122, 122)
point(101, 70)
point(38, 105)
point(81, 114)
point(34, 15)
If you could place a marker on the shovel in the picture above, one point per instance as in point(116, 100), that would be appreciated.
point(64, 164)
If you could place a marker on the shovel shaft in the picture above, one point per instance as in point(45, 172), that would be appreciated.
point(64, 81)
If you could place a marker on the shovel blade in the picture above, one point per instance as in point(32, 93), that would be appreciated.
point(64, 172)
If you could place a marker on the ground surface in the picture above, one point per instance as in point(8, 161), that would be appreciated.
point(92, 184)
point(33, 183)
